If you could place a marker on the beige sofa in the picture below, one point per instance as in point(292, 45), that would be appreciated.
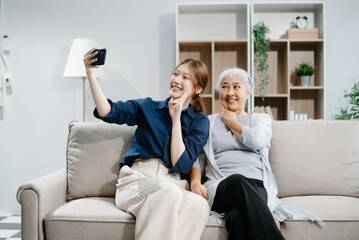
point(316, 164)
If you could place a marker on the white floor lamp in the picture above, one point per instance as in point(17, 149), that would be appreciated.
point(75, 67)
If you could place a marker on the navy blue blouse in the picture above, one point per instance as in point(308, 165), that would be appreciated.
point(154, 127)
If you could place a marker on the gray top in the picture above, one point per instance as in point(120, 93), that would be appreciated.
point(232, 156)
point(257, 137)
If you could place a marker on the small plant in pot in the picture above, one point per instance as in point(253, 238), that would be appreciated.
point(304, 71)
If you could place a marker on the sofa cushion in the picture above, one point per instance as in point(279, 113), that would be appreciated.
point(316, 157)
point(327, 208)
point(90, 209)
point(89, 218)
point(339, 213)
point(94, 151)
point(98, 218)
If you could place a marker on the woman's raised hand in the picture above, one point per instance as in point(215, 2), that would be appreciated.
point(227, 115)
point(176, 105)
point(89, 58)
point(101, 103)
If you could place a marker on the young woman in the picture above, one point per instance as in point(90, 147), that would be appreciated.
point(170, 134)
point(240, 182)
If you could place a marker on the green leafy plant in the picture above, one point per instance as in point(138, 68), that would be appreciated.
point(304, 69)
point(261, 46)
point(352, 110)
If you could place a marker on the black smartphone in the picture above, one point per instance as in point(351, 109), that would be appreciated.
point(101, 56)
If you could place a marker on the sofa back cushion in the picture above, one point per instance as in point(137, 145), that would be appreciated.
point(316, 157)
point(94, 151)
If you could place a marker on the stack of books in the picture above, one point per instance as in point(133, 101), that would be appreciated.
point(264, 109)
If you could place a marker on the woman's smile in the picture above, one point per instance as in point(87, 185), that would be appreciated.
point(231, 100)
point(176, 87)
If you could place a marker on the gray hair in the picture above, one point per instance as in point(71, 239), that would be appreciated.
point(242, 74)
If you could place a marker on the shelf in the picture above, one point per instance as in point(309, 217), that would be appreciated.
point(286, 40)
point(278, 106)
point(198, 50)
point(273, 96)
point(309, 101)
point(320, 40)
point(219, 35)
point(277, 68)
point(279, 16)
point(306, 88)
point(279, 40)
point(190, 43)
point(213, 40)
point(232, 41)
point(276, 8)
point(285, 91)
point(227, 55)
point(308, 52)
point(212, 21)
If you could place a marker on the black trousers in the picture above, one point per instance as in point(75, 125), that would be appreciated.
point(244, 202)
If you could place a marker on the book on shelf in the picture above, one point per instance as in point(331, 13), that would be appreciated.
point(269, 112)
point(264, 109)
point(259, 109)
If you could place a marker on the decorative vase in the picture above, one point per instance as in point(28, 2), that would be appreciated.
point(305, 80)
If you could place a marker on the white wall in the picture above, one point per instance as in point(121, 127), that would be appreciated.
point(140, 38)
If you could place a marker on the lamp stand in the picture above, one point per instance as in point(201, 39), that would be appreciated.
point(83, 98)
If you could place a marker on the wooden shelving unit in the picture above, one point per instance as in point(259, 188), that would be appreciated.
point(220, 36)
point(217, 34)
point(284, 92)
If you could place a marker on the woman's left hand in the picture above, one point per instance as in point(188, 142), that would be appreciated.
point(200, 190)
point(176, 105)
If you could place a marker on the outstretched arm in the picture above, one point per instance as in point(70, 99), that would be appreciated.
point(101, 103)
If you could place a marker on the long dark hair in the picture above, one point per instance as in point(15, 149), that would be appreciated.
point(199, 77)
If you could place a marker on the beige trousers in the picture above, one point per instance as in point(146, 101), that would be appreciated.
point(163, 208)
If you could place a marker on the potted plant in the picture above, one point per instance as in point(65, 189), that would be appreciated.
point(304, 71)
point(351, 110)
point(261, 46)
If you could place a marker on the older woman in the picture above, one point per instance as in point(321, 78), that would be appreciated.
point(240, 182)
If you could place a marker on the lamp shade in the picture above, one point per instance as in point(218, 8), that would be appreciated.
point(75, 67)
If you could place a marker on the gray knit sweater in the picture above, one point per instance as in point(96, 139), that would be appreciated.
point(257, 136)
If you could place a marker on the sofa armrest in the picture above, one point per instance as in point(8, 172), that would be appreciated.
point(37, 198)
